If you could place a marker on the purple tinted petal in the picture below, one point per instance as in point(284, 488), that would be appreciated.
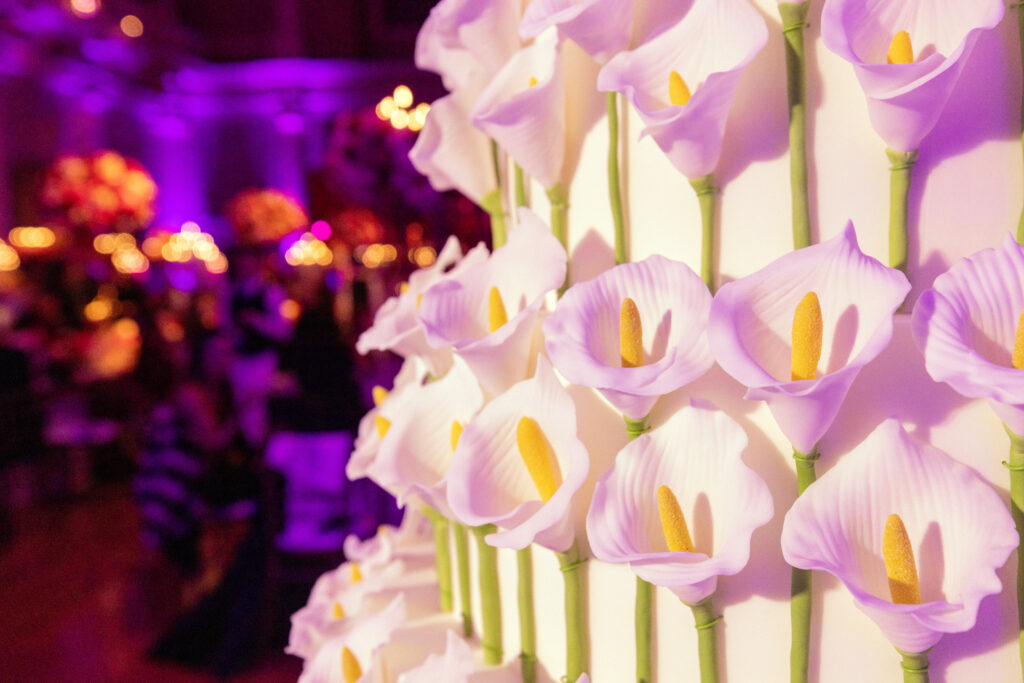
point(582, 335)
point(960, 529)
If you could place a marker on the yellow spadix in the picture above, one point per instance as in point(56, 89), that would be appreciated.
point(900, 49)
point(807, 331)
point(678, 91)
point(539, 457)
point(383, 425)
point(673, 523)
point(496, 315)
point(350, 669)
point(631, 345)
point(456, 434)
point(1018, 344)
point(900, 567)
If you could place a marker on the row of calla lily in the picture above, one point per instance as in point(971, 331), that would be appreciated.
point(529, 76)
point(485, 375)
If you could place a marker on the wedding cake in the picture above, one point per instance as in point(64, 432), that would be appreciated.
point(888, 420)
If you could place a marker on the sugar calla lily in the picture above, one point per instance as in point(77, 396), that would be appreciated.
point(454, 666)
point(696, 454)
point(751, 324)
point(338, 597)
point(413, 460)
point(489, 482)
point(906, 93)
point(368, 438)
point(707, 50)
point(583, 335)
point(967, 326)
point(603, 28)
point(376, 550)
point(457, 311)
point(348, 656)
point(958, 528)
point(395, 325)
point(539, 107)
point(462, 39)
point(412, 539)
point(451, 153)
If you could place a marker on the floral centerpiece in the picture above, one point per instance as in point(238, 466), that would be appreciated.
point(99, 193)
point(261, 216)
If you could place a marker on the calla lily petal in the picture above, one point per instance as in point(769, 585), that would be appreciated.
point(413, 459)
point(960, 530)
point(582, 335)
point(601, 27)
point(528, 121)
point(450, 152)
point(368, 440)
point(455, 312)
point(709, 48)
point(462, 39)
point(317, 621)
point(966, 325)
point(696, 453)
point(455, 666)
point(397, 328)
point(363, 637)
point(751, 319)
point(412, 540)
point(905, 100)
point(488, 482)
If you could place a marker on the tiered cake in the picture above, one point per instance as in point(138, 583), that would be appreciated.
point(965, 196)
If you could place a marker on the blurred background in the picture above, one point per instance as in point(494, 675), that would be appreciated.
point(202, 205)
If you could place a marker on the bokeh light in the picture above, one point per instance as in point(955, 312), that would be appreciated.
point(403, 96)
point(9, 259)
point(32, 237)
point(290, 309)
point(308, 251)
point(85, 8)
point(321, 230)
point(131, 26)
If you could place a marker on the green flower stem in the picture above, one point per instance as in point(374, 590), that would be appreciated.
point(559, 213)
point(800, 585)
point(643, 620)
point(462, 560)
point(644, 591)
point(494, 203)
point(614, 186)
point(705, 189)
point(1016, 466)
point(1020, 27)
point(521, 187)
point(901, 168)
point(577, 643)
point(915, 666)
point(527, 628)
point(491, 203)
point(794, 20)
point(490, 599)
point(635, 428)
point(706, 623)
point(442, 555)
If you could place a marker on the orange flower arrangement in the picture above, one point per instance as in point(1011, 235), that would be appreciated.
point(103, 192)
point(265, 215)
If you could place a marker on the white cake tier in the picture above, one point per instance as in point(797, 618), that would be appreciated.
point(966, 195)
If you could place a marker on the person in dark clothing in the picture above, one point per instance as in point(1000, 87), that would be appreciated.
point(325, 396)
